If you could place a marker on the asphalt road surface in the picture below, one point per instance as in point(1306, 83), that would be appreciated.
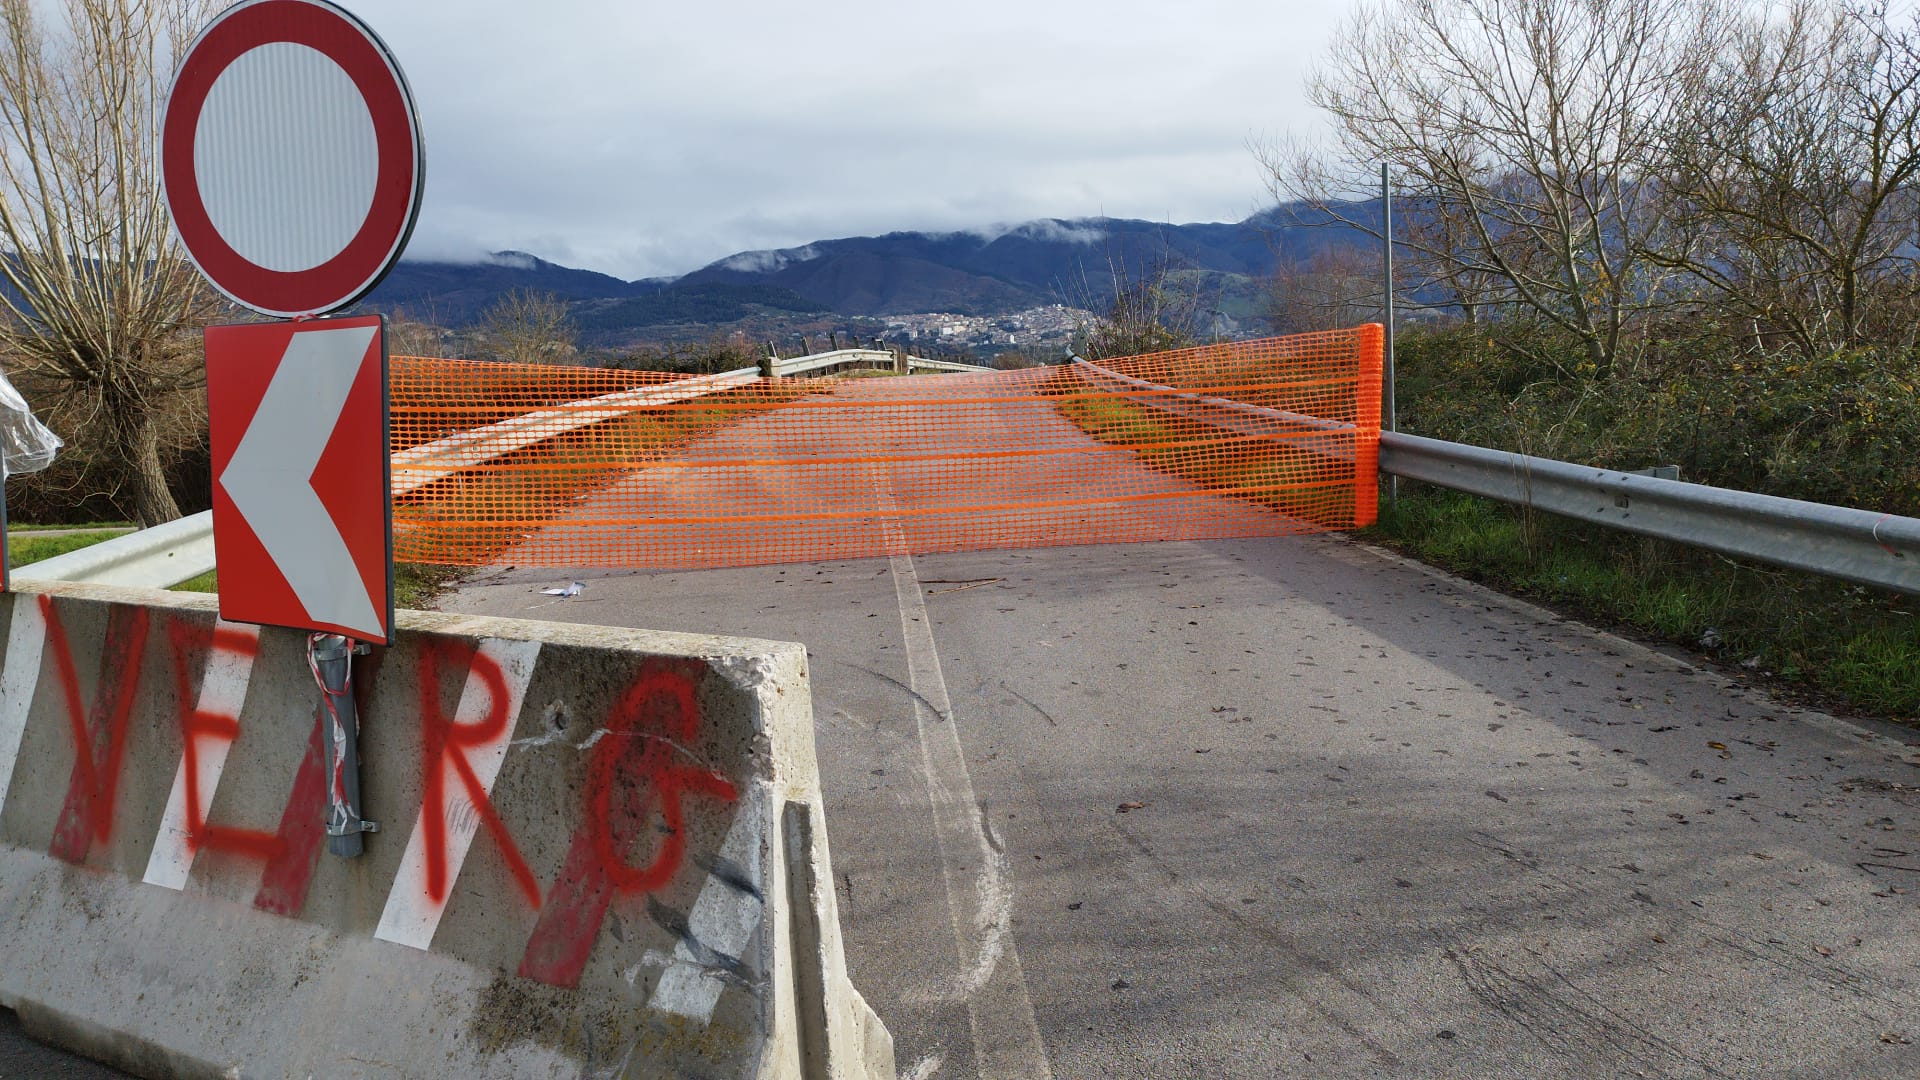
point(1294, 807)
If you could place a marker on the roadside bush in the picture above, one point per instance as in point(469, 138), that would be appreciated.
point(1841, 429)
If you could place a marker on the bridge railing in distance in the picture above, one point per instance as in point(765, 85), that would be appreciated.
point(857, 359)
point(611, 468)
point(822, 363)
point(418, 466)
point(915, 363)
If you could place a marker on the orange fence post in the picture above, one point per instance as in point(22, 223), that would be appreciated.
point(1371, 353)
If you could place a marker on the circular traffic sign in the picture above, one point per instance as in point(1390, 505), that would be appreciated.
point(290, 156)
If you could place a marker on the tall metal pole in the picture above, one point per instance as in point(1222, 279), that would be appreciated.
point(1388, 415)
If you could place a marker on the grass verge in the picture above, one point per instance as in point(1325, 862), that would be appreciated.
point(207, 582)
point(418, 585)
point(23, 527)
point(1839, 644)
point(415, 585)
point(24, 548)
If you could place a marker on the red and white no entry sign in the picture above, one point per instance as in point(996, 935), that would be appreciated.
point(291, 156)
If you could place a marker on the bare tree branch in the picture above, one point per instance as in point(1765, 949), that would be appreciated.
point(1521, 135)
point(528, 327)
point(99, 301)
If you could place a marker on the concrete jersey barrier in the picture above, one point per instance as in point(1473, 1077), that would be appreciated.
point(601, 852)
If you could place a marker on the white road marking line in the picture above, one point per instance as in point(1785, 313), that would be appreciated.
point(1006, 1039)
point(19, 678)
point(411, 916)
point(723, 918)
point(223, 690)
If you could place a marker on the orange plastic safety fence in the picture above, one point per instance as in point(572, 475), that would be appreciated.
point(565, 466)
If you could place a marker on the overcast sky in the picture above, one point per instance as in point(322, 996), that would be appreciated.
point(641, 138)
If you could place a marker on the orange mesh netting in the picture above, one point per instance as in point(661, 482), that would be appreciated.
point(565, 466)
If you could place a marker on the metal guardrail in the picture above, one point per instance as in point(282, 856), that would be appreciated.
point(839, 358)
point(1329, 438)
point(155, 558)
point(1881, 550)
point(915, 363)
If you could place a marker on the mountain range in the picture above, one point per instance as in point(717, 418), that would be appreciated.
point(979, 272)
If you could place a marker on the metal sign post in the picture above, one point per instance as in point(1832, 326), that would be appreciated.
point(292, 163)
point(1389, 415)
point(331, 658)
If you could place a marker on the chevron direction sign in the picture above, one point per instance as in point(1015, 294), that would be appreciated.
point(302, 525)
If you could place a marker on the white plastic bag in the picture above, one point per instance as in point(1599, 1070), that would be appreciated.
point(25, 443)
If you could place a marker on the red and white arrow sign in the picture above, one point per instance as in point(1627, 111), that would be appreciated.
point(297, 418)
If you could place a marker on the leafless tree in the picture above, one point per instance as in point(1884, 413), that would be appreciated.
point(1335, 286)
point(1796, 170)
point(420, 332)
point(1151, 304)
point(1521, 134)
point(529, 327)
point(101, 302)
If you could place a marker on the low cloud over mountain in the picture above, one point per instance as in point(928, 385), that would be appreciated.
point(980, 272)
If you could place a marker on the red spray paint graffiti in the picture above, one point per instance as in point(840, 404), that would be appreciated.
point(194, 642)
point(445, 741)
point(646, 740)
point(643, 757)
point(99, 742)
point(289, 872)
point(631, 839)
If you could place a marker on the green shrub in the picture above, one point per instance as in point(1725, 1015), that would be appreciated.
point(1843, 429)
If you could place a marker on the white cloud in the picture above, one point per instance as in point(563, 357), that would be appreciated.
point(1071, 232)
point(643, 139)
point(766, 262)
